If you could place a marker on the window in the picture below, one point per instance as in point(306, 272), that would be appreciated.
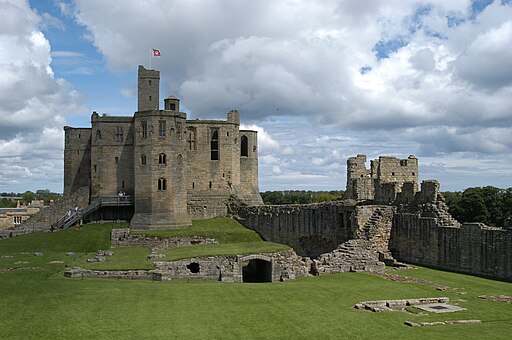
point(143, 159)
point(119, 134)
point(162, 159)
point(17, 219)
point(210, 184)
point(191, 138)
point(149, 82)
point(144, 129)
point(149, 98)
point(244, 147)
point(193, 185)
point(161, 128)
point(214, 145)
point(162, 184)
point(179, 159)
point(122, 184)
point(172, 107)
point(117, 160)
point(95, 167)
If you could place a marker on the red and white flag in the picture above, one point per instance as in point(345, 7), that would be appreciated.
point(156, 53)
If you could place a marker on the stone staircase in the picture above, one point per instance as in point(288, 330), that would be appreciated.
point(352, 256)
point(48, 216)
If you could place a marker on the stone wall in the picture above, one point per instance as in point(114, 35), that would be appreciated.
point(471, 248)
point(43, 220)
point(285, 265)
point(123, 238)
point(310, 229)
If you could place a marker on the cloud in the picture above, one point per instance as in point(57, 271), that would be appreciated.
point(33, 103)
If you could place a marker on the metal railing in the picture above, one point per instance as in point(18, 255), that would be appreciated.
point(74, 216)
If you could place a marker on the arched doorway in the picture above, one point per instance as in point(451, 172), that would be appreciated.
point(257, 269)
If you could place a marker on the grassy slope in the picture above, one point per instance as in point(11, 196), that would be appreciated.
point(44, 304)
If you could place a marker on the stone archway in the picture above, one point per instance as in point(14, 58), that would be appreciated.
point(257, 268)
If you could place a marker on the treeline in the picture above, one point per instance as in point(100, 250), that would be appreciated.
point(300, 196)
point(28, 196)
point(489, 205)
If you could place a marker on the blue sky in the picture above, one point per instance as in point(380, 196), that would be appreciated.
point(320, 81)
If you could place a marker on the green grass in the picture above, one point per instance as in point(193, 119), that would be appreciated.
point(224, 230)
point(43, 304)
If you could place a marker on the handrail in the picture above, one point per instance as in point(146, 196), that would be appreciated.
point(74, 216)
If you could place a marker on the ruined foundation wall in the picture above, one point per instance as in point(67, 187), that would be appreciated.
point(472, 248)
point(310, 229)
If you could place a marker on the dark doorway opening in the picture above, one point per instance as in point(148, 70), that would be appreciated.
point(257, 270)
point(193, 267)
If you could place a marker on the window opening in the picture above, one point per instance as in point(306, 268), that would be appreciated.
point(149, 98)
point(193, 185)
point(143, 159)
point(172, 107)
point(122, 184)
point(95, 167)
point(117, 160)
point(119, 134)
point(162, 159)
point(210, 185)
point(191, 138)
point(179, 159)
point(244, 147)
point(144, 129)
point(162, 184)
point(214, 145)
point(161, 128)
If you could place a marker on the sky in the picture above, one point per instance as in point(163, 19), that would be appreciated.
point(320, 81)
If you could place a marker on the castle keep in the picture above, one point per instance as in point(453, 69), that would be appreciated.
point(171, 169)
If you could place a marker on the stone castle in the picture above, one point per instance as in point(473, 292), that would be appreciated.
point(172, 168)
point(160, 171)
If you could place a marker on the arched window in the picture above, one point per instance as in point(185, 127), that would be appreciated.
point(179, 159)
point(214, 145)
point(162, 184)
point(143, 159)
point(162, 159)
point(244, 147)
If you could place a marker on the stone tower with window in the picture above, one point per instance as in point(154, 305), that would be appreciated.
point(175, 169)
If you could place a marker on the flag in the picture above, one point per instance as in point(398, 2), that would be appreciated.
point(156, 53)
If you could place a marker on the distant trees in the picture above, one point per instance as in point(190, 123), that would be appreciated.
point(28, 196)
point(489, 205)
point(300, 196)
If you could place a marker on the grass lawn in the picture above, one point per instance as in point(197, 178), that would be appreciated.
point(42, 304)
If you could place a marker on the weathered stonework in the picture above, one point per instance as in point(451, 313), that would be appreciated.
point(379, 225)
point(272, 267)
point(175, 169)
point(123, 238)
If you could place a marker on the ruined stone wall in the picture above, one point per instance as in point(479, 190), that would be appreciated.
point(122, 238)
point(285, 265)
point(310, 229)
point(471, 248)
point(249, 188)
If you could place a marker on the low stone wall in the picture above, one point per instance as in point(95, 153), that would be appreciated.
point(285, 265)
point(472, 248)
point(310, 229)
point(112, 274)
point(123, 238)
